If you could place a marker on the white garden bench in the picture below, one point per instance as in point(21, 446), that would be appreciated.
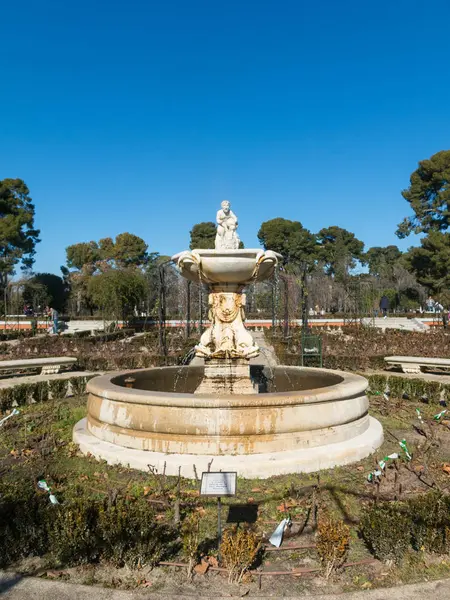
point(415, 364)
point(47, 365)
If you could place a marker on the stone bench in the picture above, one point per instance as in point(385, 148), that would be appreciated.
point(47, 365)
point(415, 364)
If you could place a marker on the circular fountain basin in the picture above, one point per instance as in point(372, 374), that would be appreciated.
point(309, 419)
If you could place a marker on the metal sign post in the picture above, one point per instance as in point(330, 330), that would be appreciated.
point(218, 484)
point(219, 525)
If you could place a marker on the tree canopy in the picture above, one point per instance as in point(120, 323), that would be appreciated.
point(18, 235)
point(117, 292)
point(46, 288)
point(127, 250)
point(339, 250)
point(293, 241)
point(203, 236)
point(83, 255)
point(428, 196)
point(381, 260)
point(431, 261)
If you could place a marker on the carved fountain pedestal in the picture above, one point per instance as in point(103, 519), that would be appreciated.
point(226, 376)
point(226, 345)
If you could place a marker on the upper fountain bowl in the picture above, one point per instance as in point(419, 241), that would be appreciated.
point(227, 267)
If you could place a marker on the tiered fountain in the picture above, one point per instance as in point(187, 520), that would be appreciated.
point(228, 412)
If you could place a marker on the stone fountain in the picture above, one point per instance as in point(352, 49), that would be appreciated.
point(228, 412)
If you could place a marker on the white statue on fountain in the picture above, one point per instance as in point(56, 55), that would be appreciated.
point(227, 270)
point(226, 236)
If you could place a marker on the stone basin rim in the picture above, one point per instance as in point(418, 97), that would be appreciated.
point(351, 386)
point(241, 252)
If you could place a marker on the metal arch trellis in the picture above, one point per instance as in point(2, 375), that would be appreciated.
point(276, 322)
point(163, 306)
point(162, 309)
point(188, 300)
point(359, 295)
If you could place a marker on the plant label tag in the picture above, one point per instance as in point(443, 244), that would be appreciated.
point(218, 484)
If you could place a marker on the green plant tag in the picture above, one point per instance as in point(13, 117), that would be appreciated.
point(437, 417)
point(404, 447)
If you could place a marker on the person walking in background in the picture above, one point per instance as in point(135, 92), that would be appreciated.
point(430, 304)
point(54, 318)
point(384, 305)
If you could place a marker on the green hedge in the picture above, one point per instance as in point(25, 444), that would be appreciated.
point(41, 391)
point(15, 334)
point(81, 529)
point(386, 528)
point(390, 529)
point(415, 389)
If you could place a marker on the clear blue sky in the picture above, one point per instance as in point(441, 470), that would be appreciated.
point(142, 116)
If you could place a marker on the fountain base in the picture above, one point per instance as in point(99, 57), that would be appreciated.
point(226, 376)
point(261, 465)
point(305, 420)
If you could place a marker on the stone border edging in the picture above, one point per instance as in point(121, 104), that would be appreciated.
point(17, 587)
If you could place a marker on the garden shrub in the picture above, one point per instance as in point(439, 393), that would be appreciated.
point(100, 363)
point(110, 336)
point(40, 391)
point(58, 388)
point(87, 362)
point(73, 536)
point(15, 334)
point(413, 388)
point(146, 360)
point(130, 361)
point(430, 517)
point(396, 386)
point(24, 517)
point(446, 389)
point(190, 538)
point(131, 535)
point(386, 529)
point(367, 347)
point(332, 543)
point(377, 383)
point(82, 334)
point(22, 393)
point(239, 550)
point(6, 399)
point(432, 391)
point(80, 529)
point(78, 385)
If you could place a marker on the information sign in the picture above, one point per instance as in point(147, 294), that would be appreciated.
point(218, 484)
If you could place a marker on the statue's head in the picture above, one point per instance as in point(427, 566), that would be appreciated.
point(225, 206)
